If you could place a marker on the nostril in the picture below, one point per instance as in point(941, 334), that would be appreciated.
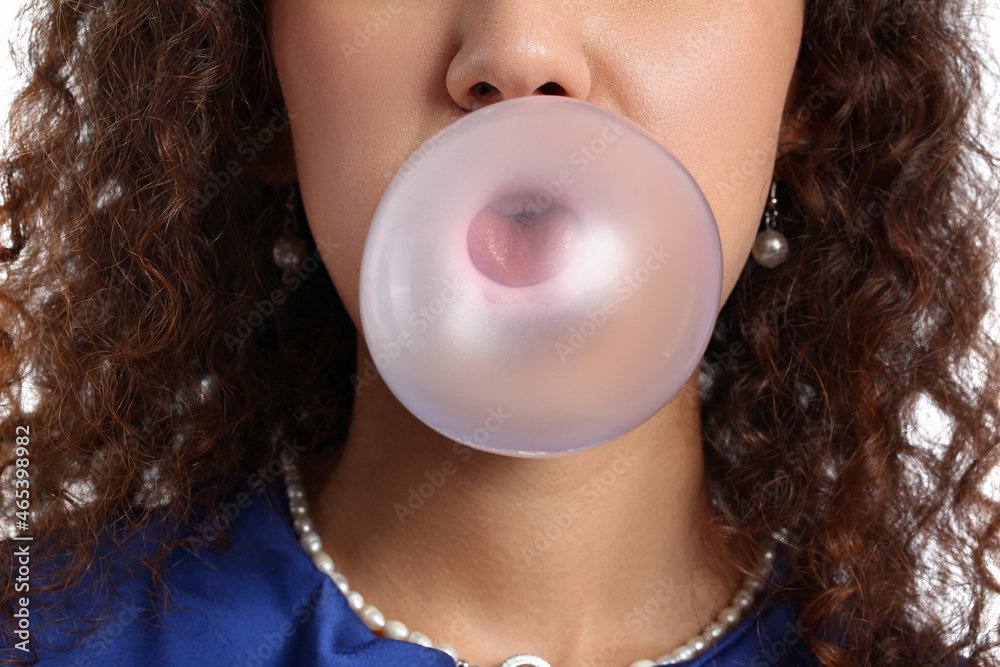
point(551, 88)
point(482, 89)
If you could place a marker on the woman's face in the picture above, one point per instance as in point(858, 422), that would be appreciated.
point(366, 82)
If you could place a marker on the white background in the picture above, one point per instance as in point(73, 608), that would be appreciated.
point(989, 35)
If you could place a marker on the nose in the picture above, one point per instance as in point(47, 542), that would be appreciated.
point(514, 48)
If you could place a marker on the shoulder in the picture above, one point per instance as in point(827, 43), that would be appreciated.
point(261, 601)
point(771, 634)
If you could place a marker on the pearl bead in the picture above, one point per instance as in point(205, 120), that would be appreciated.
point(372, 617)
point(298, 509)
point(419, 638)
point(680, 655)
point(295, 491)
point(288, 251)
point(395, 630)
point(311, 542)
point(302, 525)
point(714, 630)
point(452, 653)
point(753, 584)
point(729, 615)
point(341, 582)
point(643, 663)
point(696, 644)
point(323, 562)
point(743, 600)
point(355, 600)
point(770, 248)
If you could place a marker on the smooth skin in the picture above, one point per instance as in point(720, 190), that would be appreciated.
point(602, 553)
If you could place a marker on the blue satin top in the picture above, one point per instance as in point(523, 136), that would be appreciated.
point(263, 602)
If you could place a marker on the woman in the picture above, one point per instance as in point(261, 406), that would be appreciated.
point(159, 153)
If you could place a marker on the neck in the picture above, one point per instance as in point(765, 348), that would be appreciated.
point(605, 551)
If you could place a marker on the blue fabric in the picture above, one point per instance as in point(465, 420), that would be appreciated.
point(265, 603)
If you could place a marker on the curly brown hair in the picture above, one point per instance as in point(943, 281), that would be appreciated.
point(144, 329)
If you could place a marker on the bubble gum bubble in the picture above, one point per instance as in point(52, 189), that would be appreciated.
point(540, 277)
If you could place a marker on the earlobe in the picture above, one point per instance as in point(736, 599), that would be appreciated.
point(797, 118)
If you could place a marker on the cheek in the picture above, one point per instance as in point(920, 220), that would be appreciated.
point(716, 90)
point(349, 109)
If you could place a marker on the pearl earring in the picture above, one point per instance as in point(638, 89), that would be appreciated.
point(770, 248)
point(290, 249)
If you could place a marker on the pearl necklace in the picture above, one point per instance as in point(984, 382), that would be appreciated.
point(741, 603)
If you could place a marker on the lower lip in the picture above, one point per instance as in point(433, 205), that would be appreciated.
point(517, 252)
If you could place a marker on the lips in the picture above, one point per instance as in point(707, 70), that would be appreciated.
point(515, 243)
